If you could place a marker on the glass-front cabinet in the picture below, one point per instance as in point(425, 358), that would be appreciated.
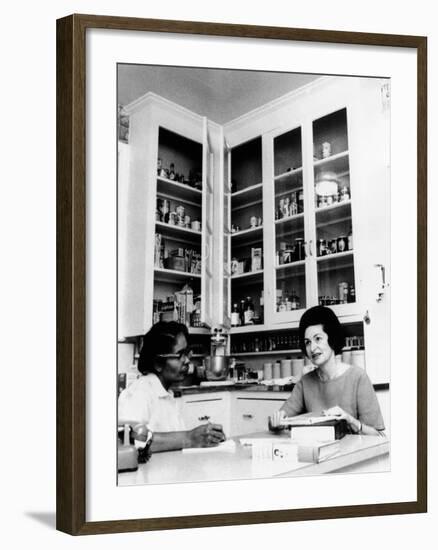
point(333, 210)
point(246, 234)
point(309, 206)
point(289, 226)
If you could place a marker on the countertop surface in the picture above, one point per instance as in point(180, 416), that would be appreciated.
point(245, 387)
point(367, 453)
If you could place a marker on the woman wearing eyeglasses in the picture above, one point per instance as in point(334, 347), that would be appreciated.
point(164, 361)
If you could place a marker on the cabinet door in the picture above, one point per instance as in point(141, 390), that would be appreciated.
point(207, 228)
point(197, 410)
point(251, 414)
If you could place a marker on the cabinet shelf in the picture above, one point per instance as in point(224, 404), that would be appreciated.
point(289, 265)
point(289, 221)
point(173, 276)
point(334, 262)
point(177, 233)
point(247, 197)
point(250, 275)
point(180, 191)
point(272, 352)
point(335, 163)
point(253, 234)
point(335, 213)
point(288, 182)
point(199, 331)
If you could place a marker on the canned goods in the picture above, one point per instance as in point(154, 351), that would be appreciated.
point(342, 243)
point(343, 292)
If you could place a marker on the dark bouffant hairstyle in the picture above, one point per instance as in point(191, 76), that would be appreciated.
point(160, 339)
point(320, 315)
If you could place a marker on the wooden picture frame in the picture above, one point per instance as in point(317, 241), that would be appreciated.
point(71, 272)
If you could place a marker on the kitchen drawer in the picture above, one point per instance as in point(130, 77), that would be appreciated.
point(251, 414)
point(197, 410)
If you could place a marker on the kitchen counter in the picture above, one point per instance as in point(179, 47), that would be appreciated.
point(357, 453)
point(246, 387)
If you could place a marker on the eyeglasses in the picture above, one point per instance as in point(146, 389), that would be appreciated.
point(186, 352)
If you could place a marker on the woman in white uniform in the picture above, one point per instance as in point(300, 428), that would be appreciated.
point(164, 360)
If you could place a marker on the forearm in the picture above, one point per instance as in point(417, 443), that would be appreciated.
point(169, 441)
point(363, 429)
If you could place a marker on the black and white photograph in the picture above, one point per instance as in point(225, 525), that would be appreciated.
point(253, 274)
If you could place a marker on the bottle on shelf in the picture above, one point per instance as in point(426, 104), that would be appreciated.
point(262, 307)
point(172, 171)
point(235, 315)
point(241, 312)
point(248, 313)
point(295, 301)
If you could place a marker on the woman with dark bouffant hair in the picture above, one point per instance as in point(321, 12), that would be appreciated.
point(332, 387)
point(164, 361)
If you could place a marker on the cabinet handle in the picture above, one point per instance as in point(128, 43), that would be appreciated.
point(384, 285)
point(249, 416)
point(310, 247)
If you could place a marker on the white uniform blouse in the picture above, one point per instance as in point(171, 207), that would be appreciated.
point(146, 401)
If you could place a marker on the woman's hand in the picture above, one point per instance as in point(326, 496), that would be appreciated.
point(206, 435)
point(341, 414)
point(275, 421)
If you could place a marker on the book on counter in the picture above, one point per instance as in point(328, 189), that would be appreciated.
point(318, 451)
point(315, 427)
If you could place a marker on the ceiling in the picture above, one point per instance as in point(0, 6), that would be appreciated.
point(219, 94)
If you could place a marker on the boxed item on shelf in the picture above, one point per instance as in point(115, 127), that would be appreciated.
point(256, 259)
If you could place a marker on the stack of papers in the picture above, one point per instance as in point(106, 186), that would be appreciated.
point(228, 446)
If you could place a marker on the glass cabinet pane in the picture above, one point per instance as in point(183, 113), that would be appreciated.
point(246, 234)
point(289, 222)
point(178, 230)
point(333, 211)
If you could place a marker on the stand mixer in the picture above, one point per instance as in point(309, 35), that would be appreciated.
point(217, 364)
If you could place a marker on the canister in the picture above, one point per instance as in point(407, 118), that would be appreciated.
point(286, 368)
point(276, 370)
point(267, 371)
point(196, 225)
point(358, 358)
point(297, 367)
